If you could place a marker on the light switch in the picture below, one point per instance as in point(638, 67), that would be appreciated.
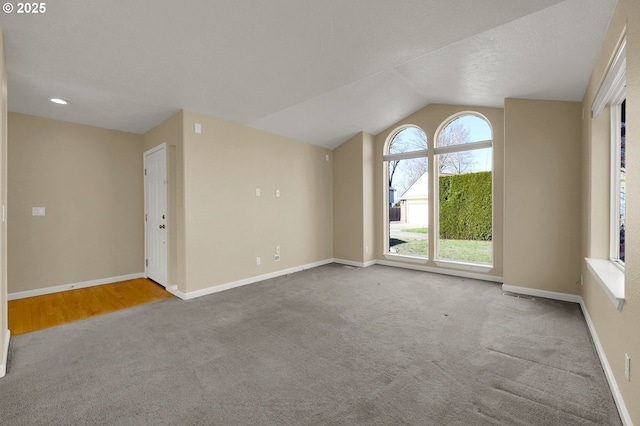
point(37, 211)
point(257, 192)
point(198, 128)
point(277, 193)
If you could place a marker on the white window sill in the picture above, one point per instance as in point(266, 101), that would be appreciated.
point(610, 278)
point(465, 266)
point(405, 258)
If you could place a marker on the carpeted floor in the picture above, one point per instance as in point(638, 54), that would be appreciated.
point(327, 346)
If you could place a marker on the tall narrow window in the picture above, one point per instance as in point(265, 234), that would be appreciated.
point(407, 186)
point(464, 180)
point(612, 95)
point(618, 181)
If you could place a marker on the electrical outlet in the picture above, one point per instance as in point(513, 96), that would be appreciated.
point(276, 258)
point(366, 249)
point(627, 367)
point(257, 261)
point(257, 192)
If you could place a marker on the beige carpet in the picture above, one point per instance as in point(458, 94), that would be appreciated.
point(327, 346)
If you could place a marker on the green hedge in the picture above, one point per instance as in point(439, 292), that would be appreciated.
point(465, 206)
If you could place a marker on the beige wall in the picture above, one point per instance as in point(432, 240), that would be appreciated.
point(4, 327)
point(85, 175)
point(90, 182)
point(429, 119)
point(542, 195)
point(348, 195)
point(228, 226)
point(171, 132)
point(354, 199)
point(369, 196)
point(617, 331)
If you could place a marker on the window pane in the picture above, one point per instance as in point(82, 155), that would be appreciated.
point(623, 181)
point(465, 206)
point(407, 140)
point(409, 207)
point(465, 129)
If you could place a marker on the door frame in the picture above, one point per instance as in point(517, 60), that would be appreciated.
point(161, 147)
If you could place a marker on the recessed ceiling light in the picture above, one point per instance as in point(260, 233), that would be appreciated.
point(59, 101)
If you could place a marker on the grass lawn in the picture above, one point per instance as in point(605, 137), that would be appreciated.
point(417, 230)
point(464, 250)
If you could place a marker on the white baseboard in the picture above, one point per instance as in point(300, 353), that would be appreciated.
point(352, 263)
point(5, 354)
point(608, 372)
point(65, 287)
point(173, 289)
point(565, 297)
point(227, 286)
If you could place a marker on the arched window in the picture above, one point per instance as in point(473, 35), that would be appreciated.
point(464, 213)
point(407, 183)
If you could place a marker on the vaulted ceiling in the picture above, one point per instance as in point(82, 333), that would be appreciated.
point(317, 71)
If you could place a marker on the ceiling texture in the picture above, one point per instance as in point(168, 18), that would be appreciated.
point(314, 70)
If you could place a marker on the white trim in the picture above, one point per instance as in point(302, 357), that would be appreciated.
point(467, 266)
point(356, 264)
point(614, 82)
point(436, 190)
point(405, 155)
point(173, 289)
point(405, 258)
point(565, 297)
point(610, 278)
point(608, 372)
point(243, 282)
point(156, 148)
point(470, 146)
point(5, 354)
point(455, 273)
point(65, 287)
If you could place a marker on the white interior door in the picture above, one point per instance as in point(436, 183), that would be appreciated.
point(155, 213)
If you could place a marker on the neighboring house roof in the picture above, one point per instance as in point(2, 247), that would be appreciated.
point(419, 190)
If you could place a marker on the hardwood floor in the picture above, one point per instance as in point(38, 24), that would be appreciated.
point(39, 312)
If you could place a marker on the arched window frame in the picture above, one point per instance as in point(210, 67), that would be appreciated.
point(387, 157)
point(440, 150)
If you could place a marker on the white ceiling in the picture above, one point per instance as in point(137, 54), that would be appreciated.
point(317, 71)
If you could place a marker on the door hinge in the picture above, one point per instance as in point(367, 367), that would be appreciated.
point(145, 172)
point(146, 261)
point(145, 217)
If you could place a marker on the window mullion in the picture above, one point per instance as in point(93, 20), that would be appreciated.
point(463, 147)
point(405, 155)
